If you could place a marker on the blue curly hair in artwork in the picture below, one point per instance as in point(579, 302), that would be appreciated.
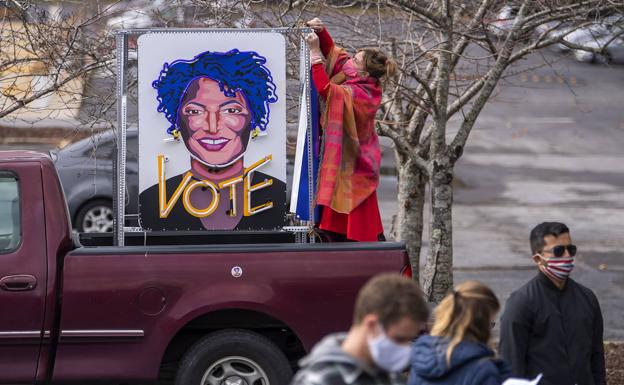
point(235, 71)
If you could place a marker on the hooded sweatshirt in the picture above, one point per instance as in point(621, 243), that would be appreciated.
point(471, 364)
point(328, 364)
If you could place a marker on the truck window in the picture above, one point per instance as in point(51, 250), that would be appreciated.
point(10, 231)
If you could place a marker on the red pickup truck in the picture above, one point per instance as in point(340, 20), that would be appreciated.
point(217, 309)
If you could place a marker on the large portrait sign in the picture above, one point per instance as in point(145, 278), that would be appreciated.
point(212, 131)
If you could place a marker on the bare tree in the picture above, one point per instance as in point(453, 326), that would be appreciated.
point(455, 72)
point(451, 56)
point(58, 50)
point(44, 51)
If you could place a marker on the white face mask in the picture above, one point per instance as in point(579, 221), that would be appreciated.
point(387, 354)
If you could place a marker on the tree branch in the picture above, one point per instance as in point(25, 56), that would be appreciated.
point(442, 82)
point(552, 12)
point(464, 40)
point(54, 87)
point(404, 147)
point(489, 83)
point(412, 7)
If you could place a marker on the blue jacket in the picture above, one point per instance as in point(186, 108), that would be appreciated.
point(471, 364)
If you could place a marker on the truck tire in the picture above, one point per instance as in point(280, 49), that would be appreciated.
point(234, 357)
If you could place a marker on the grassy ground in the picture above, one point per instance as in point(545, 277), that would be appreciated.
point(614, 357)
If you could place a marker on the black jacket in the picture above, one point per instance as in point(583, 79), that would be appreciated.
point(179, 219)
point(554, 332)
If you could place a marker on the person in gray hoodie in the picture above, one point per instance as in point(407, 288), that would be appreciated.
point(390, 311)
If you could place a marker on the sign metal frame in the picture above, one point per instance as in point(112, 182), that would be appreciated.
point(119, 171)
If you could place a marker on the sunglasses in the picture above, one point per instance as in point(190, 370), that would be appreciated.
point(558, 251)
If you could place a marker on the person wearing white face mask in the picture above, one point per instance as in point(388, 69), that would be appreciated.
point(553, 324)
point(389, 314)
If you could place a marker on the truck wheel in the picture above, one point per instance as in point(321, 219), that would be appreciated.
point(234, 357)
point(95, 217)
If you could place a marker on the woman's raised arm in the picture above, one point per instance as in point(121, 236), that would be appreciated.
point(325, 38)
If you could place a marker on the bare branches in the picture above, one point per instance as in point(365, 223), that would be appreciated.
point(404, 146)
point(451, 56)
point(487, 86)
point(47, 52)
point(51, 53)
point(422, 12)
point(575, 8)
point(19, 103)
point(448, 59)
point(464, 40)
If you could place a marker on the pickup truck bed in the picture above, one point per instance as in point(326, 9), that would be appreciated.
point(166, 293)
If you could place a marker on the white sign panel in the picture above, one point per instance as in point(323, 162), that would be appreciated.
point(212, 131)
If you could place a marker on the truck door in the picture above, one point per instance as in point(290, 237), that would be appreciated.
point(22, 270)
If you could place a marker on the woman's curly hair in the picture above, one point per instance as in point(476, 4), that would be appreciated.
point(235, 71)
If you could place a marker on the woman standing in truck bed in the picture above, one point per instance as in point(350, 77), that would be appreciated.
point(351, 158)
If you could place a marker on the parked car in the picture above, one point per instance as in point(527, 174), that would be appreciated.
point(228, 308)
point(556, 30)
point(86, 172)
point(581, 36)
point(607, 34)
point(613, 50)
point(504, 21)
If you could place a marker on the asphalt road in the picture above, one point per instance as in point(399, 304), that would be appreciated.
point(548, 147)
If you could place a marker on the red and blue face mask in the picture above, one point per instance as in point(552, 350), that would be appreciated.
point(558, 267)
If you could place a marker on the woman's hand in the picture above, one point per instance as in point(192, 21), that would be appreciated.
point(316, 55)
point(316, 24)
point(313, 42)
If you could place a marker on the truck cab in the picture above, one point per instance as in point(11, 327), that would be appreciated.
point(29, 229)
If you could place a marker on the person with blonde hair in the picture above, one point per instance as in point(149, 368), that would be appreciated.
point(457, 351)
point(351, 158)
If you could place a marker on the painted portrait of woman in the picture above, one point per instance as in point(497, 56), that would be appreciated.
point(215, 103)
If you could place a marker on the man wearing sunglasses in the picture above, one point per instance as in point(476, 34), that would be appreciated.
point(553, 324)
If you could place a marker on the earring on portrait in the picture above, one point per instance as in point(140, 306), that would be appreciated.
point(176, 136)
point(256, 132)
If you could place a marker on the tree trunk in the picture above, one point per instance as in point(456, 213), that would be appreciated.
point(408, 224)
point(438, 274)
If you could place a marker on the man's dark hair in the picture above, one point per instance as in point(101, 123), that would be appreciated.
point(391, 297)
point(543, 230)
